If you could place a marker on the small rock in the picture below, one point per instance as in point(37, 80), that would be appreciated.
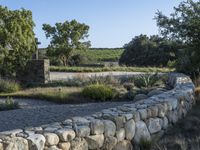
point(97, 127)
point(95, 141)
point(130, 129)
point(143, 114)
point(123, 145)
point(66, 135)
point(120, 134)
point(82, 131)
point(109, 128)
point(120, 120)
point(154, 125)
point(79, 144)
point(14, 143)
point(140, 97)
point(64, 146)
point(165, 123)
point(109, 143)
point(80, 121)
point(36, 142)
point(141, 132)
point(51, 139)
point(136, 116)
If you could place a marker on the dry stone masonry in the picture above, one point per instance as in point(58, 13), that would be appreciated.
point(111, 129)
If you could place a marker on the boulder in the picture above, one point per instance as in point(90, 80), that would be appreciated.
point(82, 131)
point(143, 114)
point(119, 121)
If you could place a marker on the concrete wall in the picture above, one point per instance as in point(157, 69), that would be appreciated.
point(111, 129)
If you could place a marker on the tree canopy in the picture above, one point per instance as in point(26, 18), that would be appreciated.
point(149, 51)
point(17, 39)
point(184, 24)
point(65, 38)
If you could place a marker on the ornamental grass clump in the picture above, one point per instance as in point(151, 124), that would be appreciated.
point(99, 92)
point(8, 86)
point(8, 104)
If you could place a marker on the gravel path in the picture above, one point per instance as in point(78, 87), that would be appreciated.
point(36, 112)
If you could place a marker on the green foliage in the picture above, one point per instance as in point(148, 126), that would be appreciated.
point(146, 80)
point(145, 144)
point(149, 51)
point(98, 92)
point(8, 104)
point(17, 39)
point(183, 24)
point(65, 38)
point(8, 86)
point(105, 54)
point(107, 69)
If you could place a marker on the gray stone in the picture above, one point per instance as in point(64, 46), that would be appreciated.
point(80, 121)
point(82, 131)
point(140, 97)
point(64, 145)
point(53, 148)
point(95, 141)
point(79, 144)
point(155, 92)
point(165, 123)
point(123, 145)
point(109, 143)
point(119, 121)
point(136, 116)
point(97, 127)
point(154, 125)
point(51, 139)
point(120, 134)
point(141, 132)
point(130, 129)
point(154, 111)
point(12, 132)
point(143, 114)
point(66, 135)
point(109, 128)
point(15, 143)
point(36, 142)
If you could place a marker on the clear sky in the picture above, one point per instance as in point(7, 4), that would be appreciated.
point(112, 22)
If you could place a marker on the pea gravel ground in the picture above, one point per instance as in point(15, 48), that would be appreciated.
point(34, 113)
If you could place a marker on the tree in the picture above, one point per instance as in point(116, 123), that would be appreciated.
point(149, 51)
point(184, 24)
point(17, 40)
point(65, 38)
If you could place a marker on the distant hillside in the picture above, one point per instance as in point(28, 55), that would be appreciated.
point(97, 54)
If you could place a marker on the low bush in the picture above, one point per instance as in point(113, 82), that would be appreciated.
point(146, 80)
point(8, 86)
point(99, 92)
point(8, 104)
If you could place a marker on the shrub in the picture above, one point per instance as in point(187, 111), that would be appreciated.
point(8, 86)
point(98, 92)
point(146, 80)
point(9, 104)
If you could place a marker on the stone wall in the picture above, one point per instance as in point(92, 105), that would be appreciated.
point(116, 128)
point(36, 72)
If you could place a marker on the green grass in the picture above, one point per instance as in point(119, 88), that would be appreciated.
point(102, 54)
point(54, 94)
point(106, 69)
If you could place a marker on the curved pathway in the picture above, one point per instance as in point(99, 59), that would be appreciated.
point(34, 113)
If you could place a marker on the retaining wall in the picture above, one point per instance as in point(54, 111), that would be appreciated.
point(116, 128)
